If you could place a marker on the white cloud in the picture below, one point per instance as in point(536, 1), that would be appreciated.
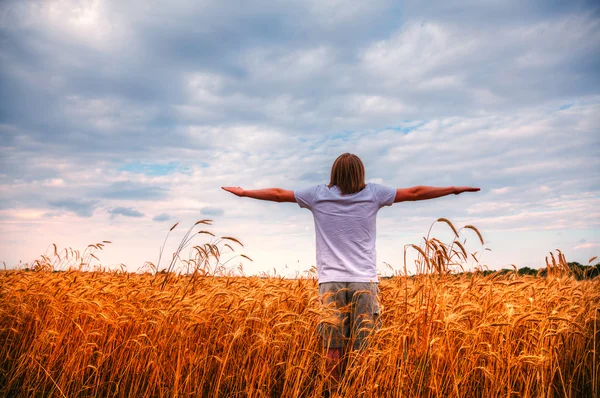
point(288, 64)
point(373, 105)
point(587, 246)
point(415, 51)
point(91, 23)
point(501, 191)
point(54, 182)
point(335, 12)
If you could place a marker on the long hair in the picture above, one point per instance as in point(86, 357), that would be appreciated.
point(348, 173)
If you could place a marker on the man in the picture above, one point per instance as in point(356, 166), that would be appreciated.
point(344, 212)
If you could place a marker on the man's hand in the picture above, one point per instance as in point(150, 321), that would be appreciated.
point(237, 191)
point(459, 190)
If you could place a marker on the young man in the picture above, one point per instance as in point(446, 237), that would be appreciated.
point(344, 212)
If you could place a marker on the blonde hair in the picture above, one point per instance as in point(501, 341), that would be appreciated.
point(348, 173)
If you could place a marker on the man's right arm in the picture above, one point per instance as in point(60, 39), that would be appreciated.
point(424, 193)
point(269, 194)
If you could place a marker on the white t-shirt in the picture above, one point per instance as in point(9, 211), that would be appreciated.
point(345, 230)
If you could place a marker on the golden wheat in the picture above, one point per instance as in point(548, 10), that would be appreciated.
point(195, 329)
point(117, 334)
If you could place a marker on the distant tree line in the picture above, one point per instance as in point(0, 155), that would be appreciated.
point(577, 270)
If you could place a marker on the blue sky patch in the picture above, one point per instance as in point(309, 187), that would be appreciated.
point(406, 129)
point(157, 169)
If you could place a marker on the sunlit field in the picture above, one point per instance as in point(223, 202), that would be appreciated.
point(116, 334)
point(113, 333)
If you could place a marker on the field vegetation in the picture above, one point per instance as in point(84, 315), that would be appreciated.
point(198, 332)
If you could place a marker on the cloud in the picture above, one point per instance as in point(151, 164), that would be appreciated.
point(501, 191)
point(212, 211)
point(153, 169)
point(132, 190)
point(104, 102)
point(161, 217)
point(125, 211)
point(587, 246)
point(314, 176)
point(83, 208)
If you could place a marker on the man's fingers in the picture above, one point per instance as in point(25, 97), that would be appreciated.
point(234, 190)
point(467, 189)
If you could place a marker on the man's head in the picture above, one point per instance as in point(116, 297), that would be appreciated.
point(348, 173)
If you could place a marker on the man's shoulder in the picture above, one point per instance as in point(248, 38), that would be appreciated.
point(309, 188)
point(320, 189)
point(306, 197)
point(379, 187)
point(376, 185)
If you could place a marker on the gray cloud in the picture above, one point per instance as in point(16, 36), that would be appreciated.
point(212, 211)
point(161, 217)
point(315, 176)
point(83, 208)
point(322, 72)
point(504, 95)
point(125, 211)
point(133, 190)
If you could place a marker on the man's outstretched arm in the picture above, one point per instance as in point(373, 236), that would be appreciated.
point(270, 194)
point(423, 193)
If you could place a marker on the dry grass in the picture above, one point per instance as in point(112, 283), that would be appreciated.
point(192, 333)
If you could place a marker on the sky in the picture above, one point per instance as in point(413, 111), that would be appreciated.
point(120, 118)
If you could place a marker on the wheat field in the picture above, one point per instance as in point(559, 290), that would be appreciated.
point(196, 328)
point(84, 334)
